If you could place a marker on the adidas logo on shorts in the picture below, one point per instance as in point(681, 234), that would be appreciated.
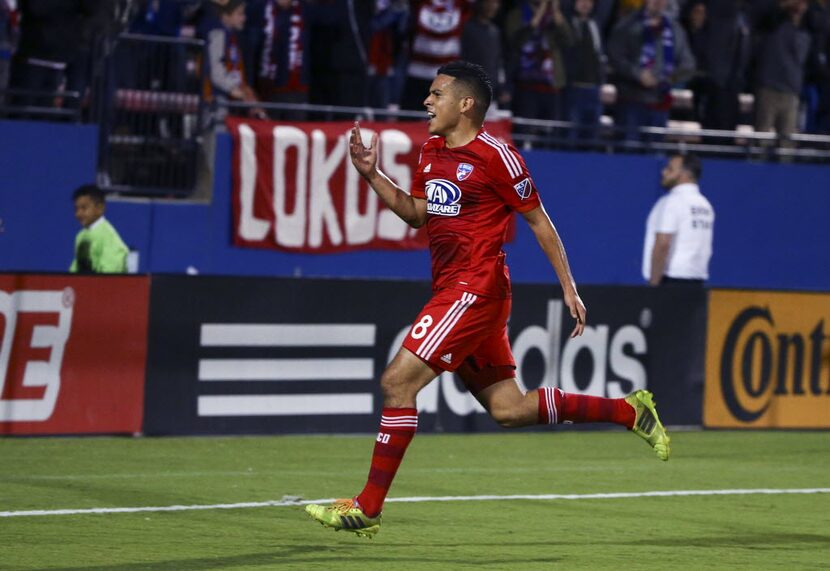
point(447, 358)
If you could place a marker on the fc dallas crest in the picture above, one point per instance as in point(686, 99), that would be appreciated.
point(463, 171)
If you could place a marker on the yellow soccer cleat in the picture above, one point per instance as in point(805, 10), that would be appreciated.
point(346, 515)
point(647, 424)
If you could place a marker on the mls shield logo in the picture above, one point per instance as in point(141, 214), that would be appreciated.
point(463, 171)
point(524, 188)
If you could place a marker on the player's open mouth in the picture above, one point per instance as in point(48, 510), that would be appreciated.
point(430, 115)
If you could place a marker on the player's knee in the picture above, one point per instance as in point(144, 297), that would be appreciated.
point(507, 417)
point(394, 390)
point(388, 387)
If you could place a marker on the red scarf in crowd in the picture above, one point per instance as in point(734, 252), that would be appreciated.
point(269, 66)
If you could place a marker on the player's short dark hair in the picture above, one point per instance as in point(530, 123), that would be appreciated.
point(692, 164)
point(473, 77)
point(92, 191)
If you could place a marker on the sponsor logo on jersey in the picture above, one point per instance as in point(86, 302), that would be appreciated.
point(443, 197)
point(463, 171)
point(524, 188)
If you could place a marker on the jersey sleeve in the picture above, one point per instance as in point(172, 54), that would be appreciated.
point(512, 180)
point(419, 178)
point(670, 216)
point(111, 252)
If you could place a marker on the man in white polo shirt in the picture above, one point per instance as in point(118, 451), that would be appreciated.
point(679, 229)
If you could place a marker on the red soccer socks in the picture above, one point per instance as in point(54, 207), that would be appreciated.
point(397, 428)
point(557, 406)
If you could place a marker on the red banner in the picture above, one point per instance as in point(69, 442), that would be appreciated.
point(295, 189)
point(72, 354)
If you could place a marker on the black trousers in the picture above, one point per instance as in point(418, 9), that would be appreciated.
point(666, 280)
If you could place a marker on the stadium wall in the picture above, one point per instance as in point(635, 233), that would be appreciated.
point(275, 355)
point(231, 355)
point(173, 354)
point(770, 232)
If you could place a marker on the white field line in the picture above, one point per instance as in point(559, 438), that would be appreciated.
point(420, 499)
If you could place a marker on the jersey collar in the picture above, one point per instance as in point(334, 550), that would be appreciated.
point(686, 187)
point(443, 142)
point(96, 223)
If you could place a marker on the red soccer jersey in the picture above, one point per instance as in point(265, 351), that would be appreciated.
point(472, 192)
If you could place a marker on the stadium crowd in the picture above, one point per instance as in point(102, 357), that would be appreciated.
point(549, 59)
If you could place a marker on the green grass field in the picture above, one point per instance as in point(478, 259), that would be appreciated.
point(781, 531)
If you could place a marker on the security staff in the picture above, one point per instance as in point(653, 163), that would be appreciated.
point(679, 230)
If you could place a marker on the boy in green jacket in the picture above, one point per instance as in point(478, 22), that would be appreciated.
point(98, 247)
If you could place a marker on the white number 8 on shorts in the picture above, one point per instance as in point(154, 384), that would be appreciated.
point(420, 328)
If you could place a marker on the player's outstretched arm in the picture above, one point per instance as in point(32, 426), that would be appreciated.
point(545, 232)
point(411, 210)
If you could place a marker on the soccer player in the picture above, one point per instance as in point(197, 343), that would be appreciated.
point(466, 188)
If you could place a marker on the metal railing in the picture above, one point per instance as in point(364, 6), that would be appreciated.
point(38, 104)
point(149, 121)
point(740, 144)
point(608, 138)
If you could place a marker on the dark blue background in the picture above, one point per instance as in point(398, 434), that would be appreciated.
point(771, 229)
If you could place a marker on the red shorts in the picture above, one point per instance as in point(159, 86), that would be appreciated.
point(466, 333)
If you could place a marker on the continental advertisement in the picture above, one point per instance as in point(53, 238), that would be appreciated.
point(767, 360)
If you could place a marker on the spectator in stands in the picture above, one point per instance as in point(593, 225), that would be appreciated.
point(603, 13)
point(817, 67)
point(251, 38)
point(223, 81)
point(282, 69)
point(481, 44)
point(822, 73)
point(680, 226)
point(648, 53)
point(728, 53)
point(154, 66)
point(98, 247)
point(224, 74)
point(337, 58)
point(627, 7)
point(695, 24)
point(779, 76)
point(8, 39)
point(79, 70)
point(51, 35)
point(157, 18)
point(672, 9)
point(386, 53)
point(437, 26)
point(585, 64)
point(538, 32)
point(351, 38)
